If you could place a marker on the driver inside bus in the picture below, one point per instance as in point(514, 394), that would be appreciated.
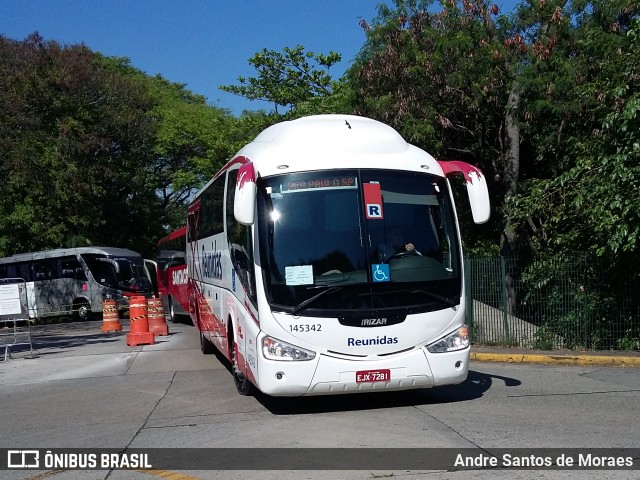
point(395, 245)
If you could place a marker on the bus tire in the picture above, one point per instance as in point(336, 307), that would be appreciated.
point(243, 385)
point(170, 307)
point(81, 310)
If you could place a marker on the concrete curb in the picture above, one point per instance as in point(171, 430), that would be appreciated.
point(550, 359)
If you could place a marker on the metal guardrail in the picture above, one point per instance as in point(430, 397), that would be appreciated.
point(15, 325)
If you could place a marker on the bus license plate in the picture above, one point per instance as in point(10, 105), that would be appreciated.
point(373, 376)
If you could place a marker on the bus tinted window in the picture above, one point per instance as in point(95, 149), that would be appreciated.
point(171, 251)
point(212, 212)
point(70, 268)
point(103, 270)
point(43, 269)
point(240, 242)
point(118, 272)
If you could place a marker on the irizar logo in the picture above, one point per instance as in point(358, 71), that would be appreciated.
point(372, 322)
point(384, 340)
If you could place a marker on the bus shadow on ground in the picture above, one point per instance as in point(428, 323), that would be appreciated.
point(474, 387)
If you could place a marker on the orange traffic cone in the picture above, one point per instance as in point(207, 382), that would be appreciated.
point(140, 334)
point(110, 317)
point(155, 314)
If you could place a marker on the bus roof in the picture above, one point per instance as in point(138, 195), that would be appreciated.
point(334, 141)
point(331, 141)
point(180, 232)
point(61, 252)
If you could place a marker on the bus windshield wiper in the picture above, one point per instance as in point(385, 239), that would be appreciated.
point(446, 300)
point(451, 302)
point(302, 305)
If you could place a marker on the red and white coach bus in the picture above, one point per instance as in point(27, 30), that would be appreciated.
point(325, 258)
point(171, 272)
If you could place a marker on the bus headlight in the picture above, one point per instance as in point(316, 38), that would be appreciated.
point(275, 349)
point(456, 340)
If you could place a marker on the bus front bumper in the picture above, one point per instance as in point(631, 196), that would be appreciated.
point(331, 375)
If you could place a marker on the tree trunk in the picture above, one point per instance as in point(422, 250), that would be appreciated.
point(510, 181)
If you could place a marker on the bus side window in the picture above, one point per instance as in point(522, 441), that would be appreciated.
point(43, 270)
point(17, 270)
point(103, 272)
point(240, 241)
point(23, 270)
point(192, 226)
point(212, 219)
point(176, 261)
point(70, 268)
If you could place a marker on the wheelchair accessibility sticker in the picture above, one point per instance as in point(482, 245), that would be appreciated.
point(380, 272)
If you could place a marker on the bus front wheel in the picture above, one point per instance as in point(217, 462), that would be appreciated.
point(172, 313)
point(81, 310)
point(243, 385)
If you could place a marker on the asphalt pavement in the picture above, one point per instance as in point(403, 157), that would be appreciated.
point(87, 338)
point(79, 363)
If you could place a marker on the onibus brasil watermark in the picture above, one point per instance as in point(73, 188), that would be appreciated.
point(70, 460)
point(446, 459)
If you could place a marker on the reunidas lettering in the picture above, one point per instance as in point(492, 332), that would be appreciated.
point(384, 340)
point(212, 264)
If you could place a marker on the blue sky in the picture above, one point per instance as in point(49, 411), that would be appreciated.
point(202, 43)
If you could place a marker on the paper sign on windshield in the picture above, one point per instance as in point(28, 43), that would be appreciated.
point(299, 275)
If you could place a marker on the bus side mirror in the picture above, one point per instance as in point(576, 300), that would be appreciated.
point(244, 204)
point(476, 187)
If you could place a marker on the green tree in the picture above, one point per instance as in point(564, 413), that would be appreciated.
point(288, 79)
point(446, 80)
point(192, 139)
point(73, 150)
point(92, 151)
point(581, 197)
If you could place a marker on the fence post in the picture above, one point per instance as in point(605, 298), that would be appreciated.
point(585, 316)
point(469, 297)
point(505, 300)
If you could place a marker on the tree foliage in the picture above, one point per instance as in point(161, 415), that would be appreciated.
point(92, 151)
point(443, 78)
point(544, 99)
point(73, 149)
point(288, 79)
point(581, 195)
point(455, 78)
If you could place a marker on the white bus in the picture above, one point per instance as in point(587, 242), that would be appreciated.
point(325, 258)
point(75, 281)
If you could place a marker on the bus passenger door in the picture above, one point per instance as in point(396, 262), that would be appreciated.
point(151, 270)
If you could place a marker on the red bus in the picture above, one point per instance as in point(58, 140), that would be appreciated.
point(172, 273)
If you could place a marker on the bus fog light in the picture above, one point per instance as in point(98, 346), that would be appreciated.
point(274, 349)
point(279, 376)
point(457, 340)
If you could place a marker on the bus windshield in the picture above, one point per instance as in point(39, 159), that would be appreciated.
point(121, 273)
point(353, 242)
